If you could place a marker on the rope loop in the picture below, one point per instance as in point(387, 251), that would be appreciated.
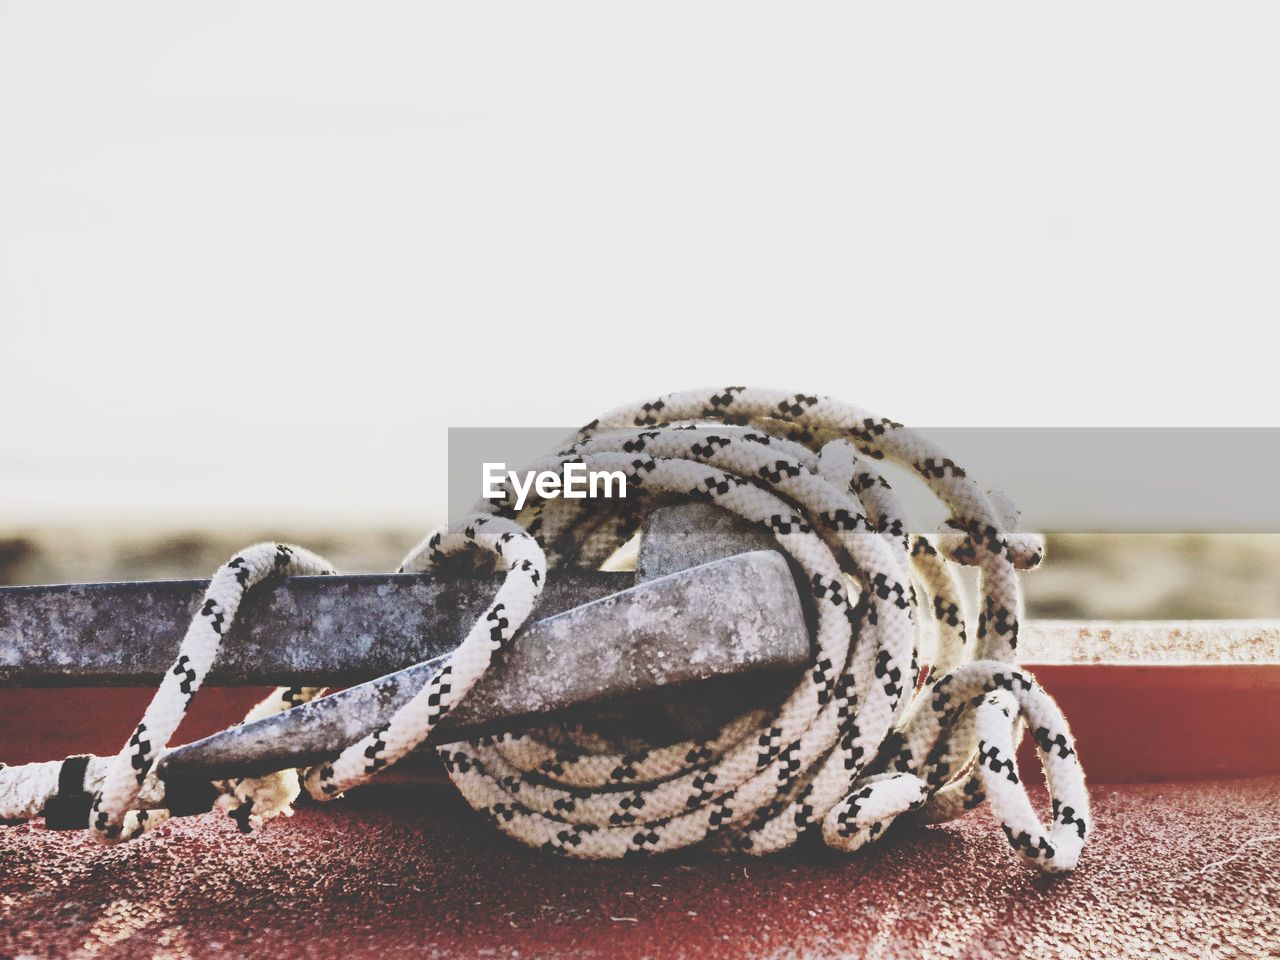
point(526, 570)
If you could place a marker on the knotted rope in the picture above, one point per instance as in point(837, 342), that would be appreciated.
point(859, 742)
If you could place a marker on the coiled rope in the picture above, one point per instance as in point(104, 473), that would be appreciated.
point(859, 742)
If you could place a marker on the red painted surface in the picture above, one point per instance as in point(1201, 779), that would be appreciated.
point(1185, 870)
point(1131, 723)
point(49, 724)
point(1144, 723)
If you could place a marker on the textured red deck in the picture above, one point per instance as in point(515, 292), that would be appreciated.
point(1173, 870)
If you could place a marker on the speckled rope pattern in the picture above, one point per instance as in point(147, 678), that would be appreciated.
point(856, 744)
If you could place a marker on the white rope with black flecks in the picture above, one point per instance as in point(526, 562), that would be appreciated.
point(860, 741)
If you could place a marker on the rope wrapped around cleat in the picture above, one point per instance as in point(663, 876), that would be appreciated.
point(864, 738)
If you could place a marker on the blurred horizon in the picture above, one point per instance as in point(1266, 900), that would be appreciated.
point(1084, 577)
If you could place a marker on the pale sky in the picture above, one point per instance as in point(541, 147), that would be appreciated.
point(256, 258)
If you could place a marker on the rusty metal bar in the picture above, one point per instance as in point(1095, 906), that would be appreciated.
point(315, 631)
